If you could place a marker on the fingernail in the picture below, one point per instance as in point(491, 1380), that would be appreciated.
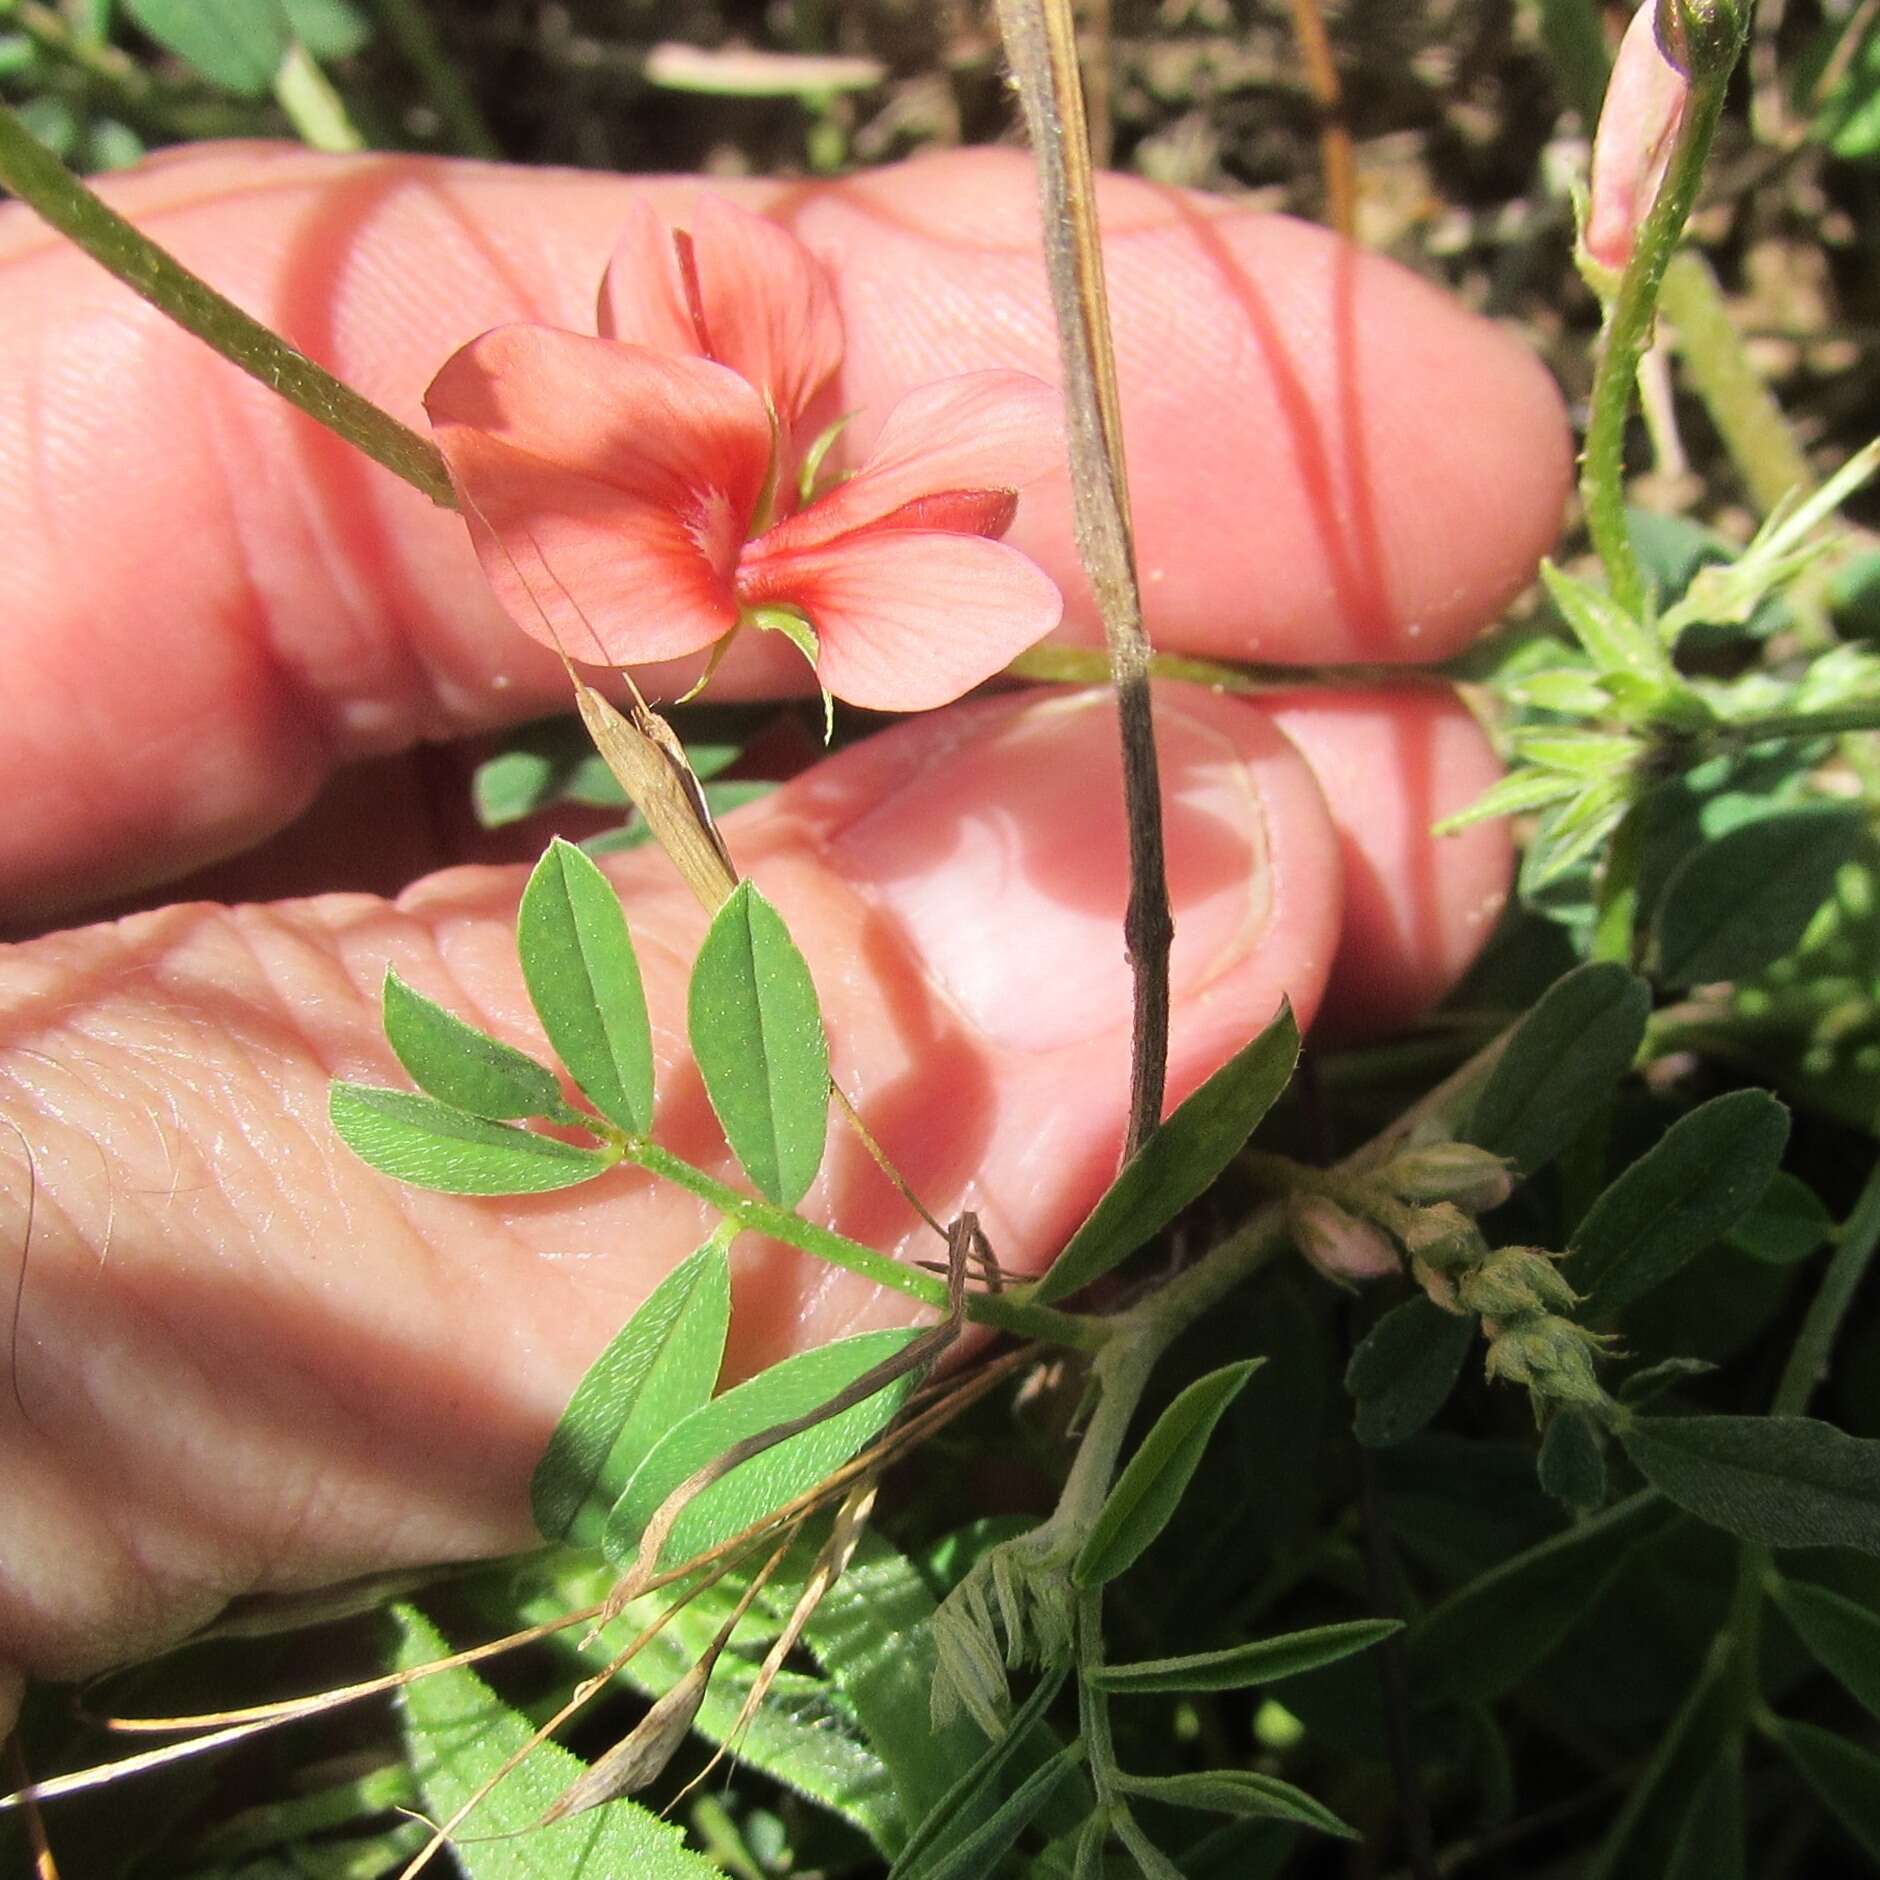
point(1004, 857)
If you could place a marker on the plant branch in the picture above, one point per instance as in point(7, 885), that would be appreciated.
point(47, 187)
point(1040, 39)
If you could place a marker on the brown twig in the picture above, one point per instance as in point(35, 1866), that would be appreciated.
point(1041, 42)
point(1336, 162)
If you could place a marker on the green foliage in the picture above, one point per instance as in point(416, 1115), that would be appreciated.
point(1180, 1160)
point(461, 1066)
point(1572, 1464)
point(1782, 1481)
point(584, 982)
point(757, 1033)
point(1155, 1478)
point(460, 1735)
point(1260, 1661)
point(429, 1144)
point(789, 1389)
point(1845, 1776)
point(1785, 1223)
point(656, 1371)
point(237, 45)
point(1695, 1184)
point(1843, 1635)
point(1562, 1063)
point(1239, 1792)
point(1403, 1372)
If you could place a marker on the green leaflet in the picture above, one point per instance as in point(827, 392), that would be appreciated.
point(1561, 1064)
point(459, 1734)
point(980, 1852)
point(1180, 1160)
point(584, 981)
point(1843, 1636)
point(1691, 1187)
point(1486, 1636)
point(1157, 1475)
point(431, 1145)
point(464, 1067)
point(237, 45)
point(1239, 1792)
point(1405, 1368)
point(1260, 1661)
point(1741, 902)
point(1572, 1464)
point(1783, 1481)
point(1843, 1775)
point(1709, 1844)
point(789, 1389)
point(757, 1033)
point(658, 1369)
point(1785, 1223)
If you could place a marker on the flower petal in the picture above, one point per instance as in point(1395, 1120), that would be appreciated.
point(1645, 102)
point(770, 310)
point(910, 620)
point(758, 301)
point(608, 488)
point(643, 298)
point(984, 431)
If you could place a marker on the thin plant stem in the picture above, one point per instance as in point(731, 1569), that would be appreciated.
point(1083, 665)
point(1040, 38)
point(1336, 162)
point(1751, 423)
point(1628, 334)
point(47, 187)
point(316, 111)
point(409, 25)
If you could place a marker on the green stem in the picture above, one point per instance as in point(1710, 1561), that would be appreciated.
point(409, 25)
point(46, 186)
point(1616, 911)
point(778, 1223)
point(1752, 425)
point(1628, 335)
point(1823, 724)
point(316, 111)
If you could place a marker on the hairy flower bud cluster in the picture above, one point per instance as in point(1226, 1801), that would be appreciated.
point(1340, 1245)
point(1551, 1355)
point(1473, 1179)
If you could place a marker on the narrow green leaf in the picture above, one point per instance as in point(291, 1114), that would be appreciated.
point(1687, 1190)
point(1572, 1466)
point(1786, 1223)
point(788, 1389)
point(1155, 1478)
point(1512, 795)
point(979, 1853)
point(1563, 1061)
point(1844, 1776)
point(1260, 1661)
point(1648, 1385)
point(757, 1033)
point(1709, 1844)
point(1843, 1636)
point(459, 1735)
point(1239, 1792)
point(1596, 756)
point(1614, 641)
point(936, 1835)
point(1783, 1481)
point(1486, 1636)
point(1740, 903)
point(1180, 1160)
point(584, 981)
point(1405, 1368)
point(416, 1140)
point(237, 45)
point(461, 1066)
point(659, 1368)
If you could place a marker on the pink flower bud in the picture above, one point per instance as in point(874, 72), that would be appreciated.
point(1645, 103)
point(1339, 1244)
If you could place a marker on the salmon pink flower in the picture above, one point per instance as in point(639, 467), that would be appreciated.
point(1638, 124)
point(641, 495)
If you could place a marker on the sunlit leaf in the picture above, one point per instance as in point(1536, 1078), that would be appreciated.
point(1157, 1475)
point(459, 1735)
point(1180, 1160)
point(237, 45)
point(658, 1369)
point(461, 1066)
point(584, 981)
point(789, 1389)
point(757, 1034)
point(418, 1140)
